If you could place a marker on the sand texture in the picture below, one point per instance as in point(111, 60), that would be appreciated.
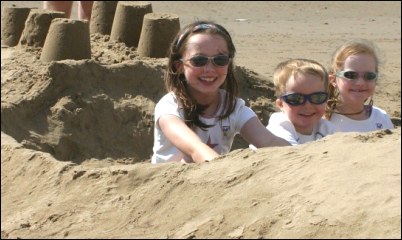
point(77, 136)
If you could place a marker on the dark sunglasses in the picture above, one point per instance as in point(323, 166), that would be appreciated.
point(200, 60)
point(352, 75)
point(296, 99)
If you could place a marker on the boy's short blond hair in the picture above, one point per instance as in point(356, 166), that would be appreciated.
point(291, 67)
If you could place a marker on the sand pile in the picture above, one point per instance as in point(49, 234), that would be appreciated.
point(101, 108)
point(77, 137)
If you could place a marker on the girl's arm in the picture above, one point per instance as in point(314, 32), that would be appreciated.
point(255, 133)
point(185, 139)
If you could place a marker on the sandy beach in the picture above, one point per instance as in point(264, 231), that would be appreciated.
point(77, 136)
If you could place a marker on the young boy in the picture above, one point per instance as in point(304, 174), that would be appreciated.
point(301, 91)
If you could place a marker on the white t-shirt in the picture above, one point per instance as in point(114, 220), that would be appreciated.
point(378, 119)
point(219, 137)
point(280, 125)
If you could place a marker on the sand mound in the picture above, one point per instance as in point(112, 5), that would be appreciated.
point(101, 108)
point(311, 191)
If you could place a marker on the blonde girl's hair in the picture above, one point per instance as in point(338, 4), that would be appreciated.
point(292, 67)
point(175, 81)
point(349, 48)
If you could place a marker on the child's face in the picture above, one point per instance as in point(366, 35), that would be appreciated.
point(204, 80)
point(305, 116)
point(356, 92)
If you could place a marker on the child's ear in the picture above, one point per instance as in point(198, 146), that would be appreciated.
point(332, 79)
point(279, 103)
point(178, 65)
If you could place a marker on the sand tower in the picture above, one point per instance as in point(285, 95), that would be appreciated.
point(67, 39)
point(128, 21)
point(158, 32)
point(12, 24)
point(37, 26)
point(102, 17)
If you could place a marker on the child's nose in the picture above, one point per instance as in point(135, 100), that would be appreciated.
point(210, 65)
point(360, 80)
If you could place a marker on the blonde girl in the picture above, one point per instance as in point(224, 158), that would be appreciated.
point(353, 78)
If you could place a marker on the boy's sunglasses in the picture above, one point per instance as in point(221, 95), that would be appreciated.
point(201, 61)
point(352, 75)
point(296, 99)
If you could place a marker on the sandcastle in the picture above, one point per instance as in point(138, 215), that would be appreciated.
point(102, 17)
point(69, 39)
point(128, 20)
point(37, 26)
point(99, 105)
point(12, 24)
point(158, 31)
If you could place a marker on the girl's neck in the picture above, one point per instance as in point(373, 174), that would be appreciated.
point(212, 104)
point(358, 112)
point(205, 99)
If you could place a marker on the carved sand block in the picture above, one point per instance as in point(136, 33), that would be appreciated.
point(37, 26)
point(128, 21)
point(102, 16)
point(67, 39)
point(12, 24)
point(158, 32)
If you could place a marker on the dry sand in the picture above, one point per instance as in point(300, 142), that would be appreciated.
point(77, 138)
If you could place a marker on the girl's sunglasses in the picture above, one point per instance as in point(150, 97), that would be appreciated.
point(201, 61)
point(296, 99)
point(352, 75)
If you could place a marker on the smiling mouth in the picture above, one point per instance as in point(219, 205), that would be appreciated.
point(207, 79)
point(353, 90)
point(307, 114)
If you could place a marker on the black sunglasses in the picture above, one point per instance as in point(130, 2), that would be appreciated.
point(296, 99)
point(200, 60)
point(352, 75)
